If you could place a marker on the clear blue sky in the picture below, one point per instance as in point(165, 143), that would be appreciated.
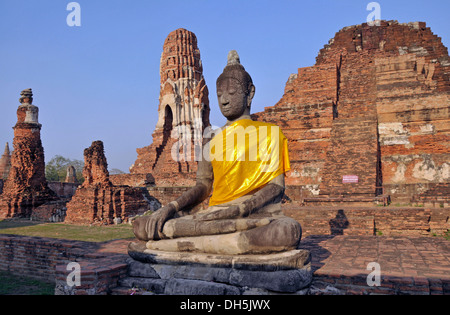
point(101, 81)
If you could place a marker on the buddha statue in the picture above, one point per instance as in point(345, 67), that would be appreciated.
point(245, 177)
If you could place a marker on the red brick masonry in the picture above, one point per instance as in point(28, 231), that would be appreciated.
point(102, 264)
point(386, 221)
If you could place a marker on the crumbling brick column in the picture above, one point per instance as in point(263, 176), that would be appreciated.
point(26, 187)
point(98, 200)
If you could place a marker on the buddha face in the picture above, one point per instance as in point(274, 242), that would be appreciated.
point(234, 101)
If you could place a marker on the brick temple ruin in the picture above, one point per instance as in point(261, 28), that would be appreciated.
point(98, 200)
point(367, 124)
point(370, 118)
point(183, 111)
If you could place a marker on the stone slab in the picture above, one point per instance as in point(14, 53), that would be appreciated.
point(294, 259)
point(167, 279)
point(289, 281)
point(153, 285)
point(197, 273)
point(196, 287)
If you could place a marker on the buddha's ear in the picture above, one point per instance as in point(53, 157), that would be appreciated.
point(251, 94)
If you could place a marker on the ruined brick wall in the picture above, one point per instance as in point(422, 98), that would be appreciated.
point(47, 259)
point(183, 112)
point(63, 190)
point(106, 205)
point(132, 180)
point(376, 106)
point(167, 194)
point(401, 221)
point(98, 200)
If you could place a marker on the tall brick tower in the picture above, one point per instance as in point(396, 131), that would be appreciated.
point(5, 163)
point(183, 113)
point(26, 187)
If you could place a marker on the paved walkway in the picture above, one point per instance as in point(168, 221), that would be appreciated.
point(408, 265)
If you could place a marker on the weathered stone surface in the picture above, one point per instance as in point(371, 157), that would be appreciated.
point(154, 285)
point(183, 114)
point(138, 269)
point(165, 271)
point(190, 273)
point(270, 262)
point(197, 287)
point(278, 281)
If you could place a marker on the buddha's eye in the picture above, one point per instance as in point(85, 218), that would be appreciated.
point(232, 91)
point(219, 93)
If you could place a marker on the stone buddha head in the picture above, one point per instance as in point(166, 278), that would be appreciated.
point(235, 89)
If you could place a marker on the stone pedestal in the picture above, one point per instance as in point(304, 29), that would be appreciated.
point(185, 273)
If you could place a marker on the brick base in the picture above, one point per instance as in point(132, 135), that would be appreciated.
point(387, 221)
point(102, 264)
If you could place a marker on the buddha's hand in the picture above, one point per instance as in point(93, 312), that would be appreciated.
point(150, 227)
point(230, 212)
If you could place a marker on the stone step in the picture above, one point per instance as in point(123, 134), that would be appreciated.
point(197, 273)
point(156, 286)
point(130, 291)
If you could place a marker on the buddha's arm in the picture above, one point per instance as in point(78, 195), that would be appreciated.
point(269, 193)
point(199, 192)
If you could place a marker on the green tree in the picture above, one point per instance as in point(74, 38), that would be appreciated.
point(56, 169)
point(116, 171)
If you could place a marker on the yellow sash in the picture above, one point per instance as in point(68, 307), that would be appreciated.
point(245, 156)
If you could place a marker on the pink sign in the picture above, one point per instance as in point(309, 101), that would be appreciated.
point(350, 179)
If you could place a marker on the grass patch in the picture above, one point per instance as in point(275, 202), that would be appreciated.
point(66, 231)
point(16, 285)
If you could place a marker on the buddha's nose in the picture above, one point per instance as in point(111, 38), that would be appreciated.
point(224, 100)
